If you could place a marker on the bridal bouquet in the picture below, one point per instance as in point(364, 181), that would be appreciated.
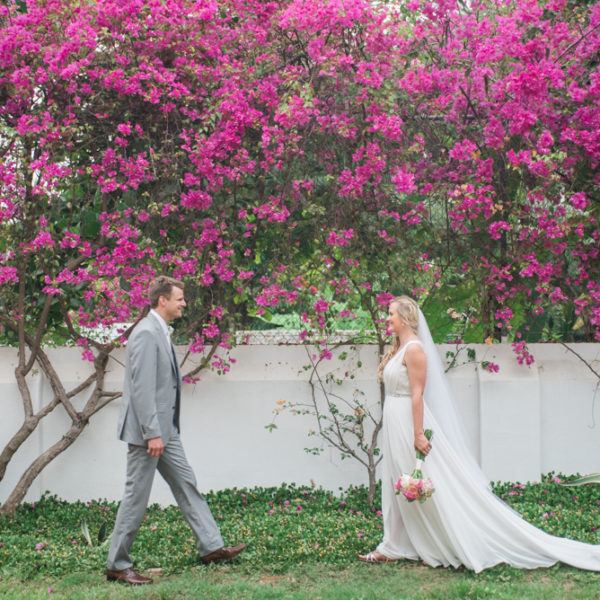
point(414, 487)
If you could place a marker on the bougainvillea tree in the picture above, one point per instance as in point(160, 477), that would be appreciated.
point(509, 93)
point(125, 129)
point(453, 157)
point(469, 142)
point(272, 153)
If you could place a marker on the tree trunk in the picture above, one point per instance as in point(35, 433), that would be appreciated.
point(372, 469)
point(78, 421)
point(35, 468)
point(372, 487)
point(26, 429)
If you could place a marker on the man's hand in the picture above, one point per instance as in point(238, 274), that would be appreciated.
point(155, 446)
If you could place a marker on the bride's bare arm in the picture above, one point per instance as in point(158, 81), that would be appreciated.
point(416, 364)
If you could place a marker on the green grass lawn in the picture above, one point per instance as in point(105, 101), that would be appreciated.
point(303, 543)
point(319, 581)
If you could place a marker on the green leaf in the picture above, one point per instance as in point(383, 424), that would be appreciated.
point(586, 479)
point(102, 533)
point(86, 532)
point(91, 226)
point(125, 284)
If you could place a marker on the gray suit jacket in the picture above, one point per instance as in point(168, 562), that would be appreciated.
point(151, 390)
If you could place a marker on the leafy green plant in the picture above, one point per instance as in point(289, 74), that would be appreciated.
point(102, 538)
point(555, 507)
point(285, 527)
point(585, 480)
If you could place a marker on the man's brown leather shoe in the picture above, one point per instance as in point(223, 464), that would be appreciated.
point(224, 553)
point(127, 576)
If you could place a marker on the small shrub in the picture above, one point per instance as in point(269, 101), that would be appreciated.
point(284, 526)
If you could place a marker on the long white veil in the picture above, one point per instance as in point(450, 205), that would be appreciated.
point(438, 398)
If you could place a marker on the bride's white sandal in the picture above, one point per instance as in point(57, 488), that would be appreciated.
point(375, 557)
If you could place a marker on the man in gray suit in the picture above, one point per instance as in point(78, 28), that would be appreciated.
point(149, 423)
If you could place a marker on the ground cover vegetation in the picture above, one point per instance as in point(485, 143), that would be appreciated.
point(291, 530)
point(406, 582)
point(302, 157)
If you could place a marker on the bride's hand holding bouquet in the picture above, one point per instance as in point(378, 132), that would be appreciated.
point(414, 486)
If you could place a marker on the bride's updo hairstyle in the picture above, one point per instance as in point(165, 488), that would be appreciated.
point(408, 310)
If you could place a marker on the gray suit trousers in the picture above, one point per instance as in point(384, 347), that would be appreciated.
point(176, 471)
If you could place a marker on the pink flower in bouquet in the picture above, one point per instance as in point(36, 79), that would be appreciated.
point(403, 482)
point(428, 488)
point(412, 491)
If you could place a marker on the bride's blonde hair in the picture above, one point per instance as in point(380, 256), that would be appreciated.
point(408, 309)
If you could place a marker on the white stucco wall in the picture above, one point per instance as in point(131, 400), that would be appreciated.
point(521, 422)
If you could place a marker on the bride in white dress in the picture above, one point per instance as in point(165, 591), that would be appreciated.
point(463, 523)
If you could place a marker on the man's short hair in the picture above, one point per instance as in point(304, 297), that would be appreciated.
point(162, 286)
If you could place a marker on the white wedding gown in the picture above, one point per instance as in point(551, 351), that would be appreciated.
point(463, 523)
